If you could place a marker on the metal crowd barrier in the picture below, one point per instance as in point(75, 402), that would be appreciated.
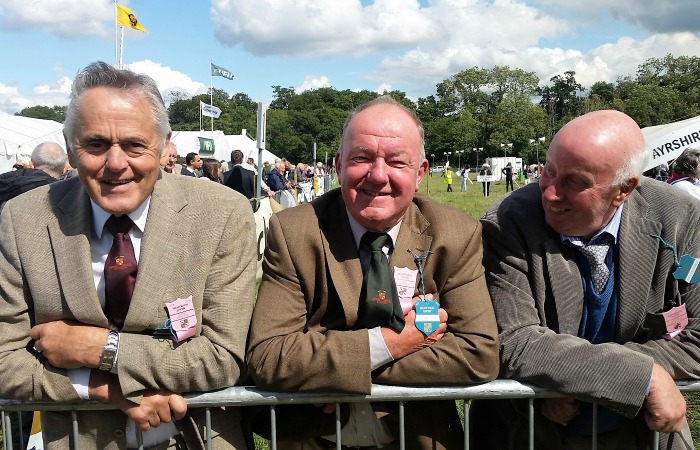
point(250, 396)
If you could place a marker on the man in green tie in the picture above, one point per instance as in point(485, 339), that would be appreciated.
point(335, 306)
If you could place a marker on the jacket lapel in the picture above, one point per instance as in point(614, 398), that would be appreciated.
point(567, 289)
point(342, 258)
point(411, 241)
point(637, 260)
point(70, 244)
point(158, 253)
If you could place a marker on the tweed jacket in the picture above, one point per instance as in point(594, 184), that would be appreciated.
point(199, 241)
point(537, 293)
point(303, 334)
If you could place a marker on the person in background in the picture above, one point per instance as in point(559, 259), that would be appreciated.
point(485, 185)
point(193, 163)
point(589, 302)
point(447, 174)
point(169, 158)
point(45, 166)
point(211, 170)
point(508, 173)
point(686, 172)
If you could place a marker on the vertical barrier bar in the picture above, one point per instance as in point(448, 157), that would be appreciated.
point(338, 428)
point(76, 431)
point(207, 433)
point(273, 428)
point(465, 410)
point(402, 428)
point(2, 419)
point(531, 424)
point(655, 440)
point(7, 430)
point(21, 431)
point(594, 431)
point(139, 438)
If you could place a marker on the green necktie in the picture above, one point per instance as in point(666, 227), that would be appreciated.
point(381, 306)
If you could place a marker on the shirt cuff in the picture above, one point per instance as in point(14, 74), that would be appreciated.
point(378, 352)
point(80, 379)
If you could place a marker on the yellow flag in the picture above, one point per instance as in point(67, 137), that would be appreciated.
point(127, 18)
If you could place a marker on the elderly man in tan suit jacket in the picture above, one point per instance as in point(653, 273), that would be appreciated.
point(58, 340)
point(309, 329)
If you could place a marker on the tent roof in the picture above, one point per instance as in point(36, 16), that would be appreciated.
point(19, 135)
point(188, 141)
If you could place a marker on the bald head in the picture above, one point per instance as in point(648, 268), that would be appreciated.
point(611, 137)
point(593, 165)
point(49, 157)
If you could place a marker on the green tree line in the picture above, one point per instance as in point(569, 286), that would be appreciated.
point(498, 111)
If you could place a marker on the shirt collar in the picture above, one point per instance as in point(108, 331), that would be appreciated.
point(358, 230)
point(612, 229)
point(138, 216)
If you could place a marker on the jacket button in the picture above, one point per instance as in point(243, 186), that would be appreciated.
point(118, 434)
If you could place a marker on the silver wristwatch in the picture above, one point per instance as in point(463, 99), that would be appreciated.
point(109, 351)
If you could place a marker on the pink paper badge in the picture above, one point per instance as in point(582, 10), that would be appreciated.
point(405, 280)
point(676, 321)
point(183, 319)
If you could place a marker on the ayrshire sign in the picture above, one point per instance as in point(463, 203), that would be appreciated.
point(666, 142)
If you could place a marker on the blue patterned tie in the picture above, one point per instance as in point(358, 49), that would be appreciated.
point(595, 254)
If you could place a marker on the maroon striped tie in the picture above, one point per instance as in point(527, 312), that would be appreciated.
point(120, 269)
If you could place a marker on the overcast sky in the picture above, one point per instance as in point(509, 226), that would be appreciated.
point(406, 45)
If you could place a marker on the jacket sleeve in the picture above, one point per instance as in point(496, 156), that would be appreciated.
point(468, 351)
point(284, 353)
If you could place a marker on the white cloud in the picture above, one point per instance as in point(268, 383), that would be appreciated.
point(382, 88)
point(65, 18)
point(168, 80)
point(318, 27)
point(311, 82)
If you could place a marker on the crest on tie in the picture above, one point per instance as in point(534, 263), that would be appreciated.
point(381, 298)
point(119, 260)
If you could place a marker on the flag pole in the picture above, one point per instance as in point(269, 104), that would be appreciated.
point(116, 35)
point(121, 49)
point(211, 98)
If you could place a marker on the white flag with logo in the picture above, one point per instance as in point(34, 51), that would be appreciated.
point(209, 110)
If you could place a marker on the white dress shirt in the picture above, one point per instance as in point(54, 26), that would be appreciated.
point(100, 244)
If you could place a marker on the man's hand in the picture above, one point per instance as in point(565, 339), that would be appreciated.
point(411, 339)
point(69, 345)
point(665, 405)
point(156, 407)
point(559, 410)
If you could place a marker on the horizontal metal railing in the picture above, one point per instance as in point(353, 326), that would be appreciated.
point(249, 396)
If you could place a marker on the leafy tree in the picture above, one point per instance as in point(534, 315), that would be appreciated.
point(561, 101)
point(56, 113)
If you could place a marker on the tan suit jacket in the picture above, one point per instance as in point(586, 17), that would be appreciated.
point(536, 288)
point(199, 240)
point(303, 334)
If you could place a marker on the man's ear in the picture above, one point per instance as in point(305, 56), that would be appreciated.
point(625, 191)
point(69, 151)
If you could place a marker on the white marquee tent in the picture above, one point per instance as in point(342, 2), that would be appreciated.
point(19, 135)
point(666, 142)
point(188, 141)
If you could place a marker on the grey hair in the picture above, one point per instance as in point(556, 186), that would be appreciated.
point(49, 157)
point(101, 74)
point(632, 167)
point(687, 163)
point(386, 100)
